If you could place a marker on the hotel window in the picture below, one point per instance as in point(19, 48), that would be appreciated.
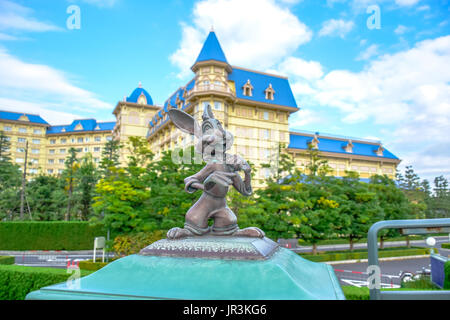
point(73, 140)
point(264, 134)
point(86, 149)
point(86, 139)
point(20, 149)
point(79, 149)
point(96, 160)
point(63, 140)
point(62, 150)
point(266, 115)
point(19, 160)
point(97, 149)
point(21, 140)
point(35, 151)
point(61, 161)
point(7, 128)
point(33, 171)
point(36, 141)
point(37, 131)
point(109, 138)
point(34, 161)
point(50, 171)
point(51, 161)
point(51, 151)
point(80, 140)
point(52, 141)
point(60, 171)
point(217, 105)
point(7, 138)
point(248, 88)
point(97, 139)
point(23, 130)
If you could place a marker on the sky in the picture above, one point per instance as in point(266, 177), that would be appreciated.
point(375, 69)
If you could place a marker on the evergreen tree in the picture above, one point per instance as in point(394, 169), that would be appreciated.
point(71, 166)
point(110, 157)
point(85, 177)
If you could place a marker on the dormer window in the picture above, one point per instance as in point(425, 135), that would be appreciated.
point(79, 127)
point(314, 143)
point(269, 92)
point(248, 88)
point(379, 151)
point(142, 99)
point(24, 118)
point(349, 147)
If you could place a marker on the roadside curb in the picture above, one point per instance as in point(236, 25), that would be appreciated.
point(379, 259)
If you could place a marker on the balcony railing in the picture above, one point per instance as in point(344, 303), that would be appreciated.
point(210, 87)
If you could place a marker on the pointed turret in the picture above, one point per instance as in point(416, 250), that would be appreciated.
point(211, 53)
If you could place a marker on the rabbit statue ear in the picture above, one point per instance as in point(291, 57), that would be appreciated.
point(207, 113)
point(185, 122)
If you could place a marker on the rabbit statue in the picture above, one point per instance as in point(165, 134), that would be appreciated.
point(220, 172)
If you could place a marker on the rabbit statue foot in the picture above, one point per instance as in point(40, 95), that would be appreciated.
point(252, 232)
point(177, 233)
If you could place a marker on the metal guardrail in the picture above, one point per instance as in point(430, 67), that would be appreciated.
point(422, 226)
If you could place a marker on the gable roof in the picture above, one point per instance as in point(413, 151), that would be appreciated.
point(260, 81)
point(137, 93)
point(15, 116)
point(336, 145)
point(86, 124)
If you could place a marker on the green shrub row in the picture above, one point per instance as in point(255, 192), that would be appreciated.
point(7, 260)
point(91, 266)
point(17, 281)
point(359, 255)
point(447, 275)
point(446, 245)
point(355, 293)
point(51, 235)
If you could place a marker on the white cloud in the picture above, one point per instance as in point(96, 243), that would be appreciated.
point(368, 53)
point(253, 33)
point(17, 17)
point(407, 92)
point(401, 29)
point(100, 3)
point(27, 85)
point(406, 3)
point(335, 27)
point(301, 68)
point(423, 8)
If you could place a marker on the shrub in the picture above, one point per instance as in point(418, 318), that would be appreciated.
point(359, 255)
point(7, 260)
point(447, 275)
point(91, 266)
point(355, 293)
point(17, 281)
point(125, 245)
point(421, 283)
point(446, 245)
point(48, 235)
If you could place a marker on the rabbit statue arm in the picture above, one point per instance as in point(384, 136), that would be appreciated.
point(195, 182)
point(243, 186)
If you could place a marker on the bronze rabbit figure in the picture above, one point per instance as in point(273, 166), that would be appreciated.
point(220, 172)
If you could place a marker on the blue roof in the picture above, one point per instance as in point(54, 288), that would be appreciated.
point(211, 50)
point(326, 144)
point(137, 93)
point(87, 124)
point(15, 116)
point(260, 82)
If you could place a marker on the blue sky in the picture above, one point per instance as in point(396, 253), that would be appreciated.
point(390, 83)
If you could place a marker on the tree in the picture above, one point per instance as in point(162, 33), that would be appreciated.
point(85, 178)
point(316, 165)
point(110, 157)
point(71, 166)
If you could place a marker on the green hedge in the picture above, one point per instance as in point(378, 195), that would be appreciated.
point(91, 266)
point(17, 281)
point(359, 255)
point(355, 293)
point(7, 260)
point(52, 235)
point(446, 245)
point(447, 275)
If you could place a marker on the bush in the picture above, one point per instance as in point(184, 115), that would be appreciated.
point(125, 245)
point(362, 254)
point(423, 283)
point(447, 275)
point(446, 246)
point(48, 235)
point(355, 293)
point(91, 266)
point(7, 260)
point(17, 281)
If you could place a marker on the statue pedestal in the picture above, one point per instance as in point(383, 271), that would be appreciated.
point(206, 268)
